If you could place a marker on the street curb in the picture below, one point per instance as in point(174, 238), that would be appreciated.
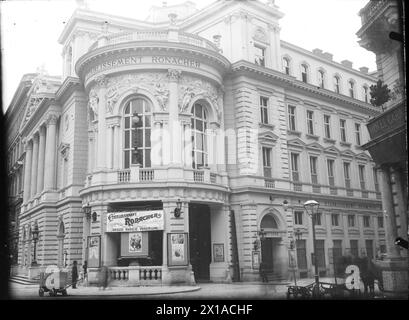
point(111, 293)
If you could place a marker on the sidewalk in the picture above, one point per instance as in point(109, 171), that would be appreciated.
point(132, 291)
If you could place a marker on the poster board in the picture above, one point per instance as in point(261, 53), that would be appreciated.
point(94, 251)
point(255, 259)
point(134, 244)
point(178, 249)
point(218, 252)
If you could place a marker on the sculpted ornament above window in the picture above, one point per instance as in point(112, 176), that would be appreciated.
point(190, 87)
point(32, 107)
point(260, 35)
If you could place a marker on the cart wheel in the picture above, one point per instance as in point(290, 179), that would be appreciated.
point(64, 292)
point(41, 292)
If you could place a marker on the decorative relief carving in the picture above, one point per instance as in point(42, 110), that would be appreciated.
point(190, 87)
point(102, 80)
point(93, 105)
point(152, 82)
point(52, 119)
point(260, 35)
point(32, 105)
point(64, 149)
point(174, 74)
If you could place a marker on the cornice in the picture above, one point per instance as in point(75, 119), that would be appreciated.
point(67, 87)
point(151, 46)
point(291, 82)
point(329, 62)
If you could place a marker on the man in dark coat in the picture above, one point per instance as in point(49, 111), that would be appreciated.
point(74, 274)
point(263, 272)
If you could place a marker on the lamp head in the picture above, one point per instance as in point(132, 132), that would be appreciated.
point(311, 206)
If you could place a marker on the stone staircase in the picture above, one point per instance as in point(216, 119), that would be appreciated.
point(24, 280)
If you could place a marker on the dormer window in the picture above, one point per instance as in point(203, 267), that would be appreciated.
point(286, 65)
point(351, 86)
point(337, 84)
point(321, 78)
point(304, 73)
point(259, 55)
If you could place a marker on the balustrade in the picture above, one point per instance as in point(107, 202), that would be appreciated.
point(198, 176)
point(124, 176)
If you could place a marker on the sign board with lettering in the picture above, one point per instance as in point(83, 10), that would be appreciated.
point(140, 60)
point(133, 221)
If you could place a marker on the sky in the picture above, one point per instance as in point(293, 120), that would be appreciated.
point(30, 31)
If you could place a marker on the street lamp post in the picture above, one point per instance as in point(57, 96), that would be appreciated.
point(311, 206)
point(35, 233)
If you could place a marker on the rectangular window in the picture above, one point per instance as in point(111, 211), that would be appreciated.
point(351, 220)
point(259, 55)
point(375, 178)
point(347, 166)
point(330, 166)
point(358, 134)
point(301, 254)
point(342, 127)
point(367, 221)
point(380, 222)
point(369, 248)
point(320, 245)
point(313, 169)
point(291, 118)
point(361, 171)
point(327, 126)
point(298, 217)
point(310, 122)
point(267, 161)
point(336, 256)
point(335, 219)
point(318, 218)
point(354, 247)
point(264, 109)
point(294, 166)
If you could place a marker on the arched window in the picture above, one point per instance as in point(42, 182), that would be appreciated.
point(268, 222)
point(337, 84)
point(365, 93)
point(199, 139)
point(137, 133)
point(304, 73)
point(351, 88)
point(286, 65)
point(321, 78)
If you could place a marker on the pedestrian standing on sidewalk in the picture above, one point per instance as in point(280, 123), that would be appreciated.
point(85, 271)
point(263, 272)
point(74, 274)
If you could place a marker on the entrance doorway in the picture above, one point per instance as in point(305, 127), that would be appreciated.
point(199, 241)
point(267, 254)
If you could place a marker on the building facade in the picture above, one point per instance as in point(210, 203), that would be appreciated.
point(388, 131)
point(182, 148)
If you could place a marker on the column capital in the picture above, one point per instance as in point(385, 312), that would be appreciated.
point(51, 119)
point(41, 131)
point(174, 74)
point(27, 144)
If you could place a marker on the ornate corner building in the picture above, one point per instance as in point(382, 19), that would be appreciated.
point(182, 148)
point(382, 32)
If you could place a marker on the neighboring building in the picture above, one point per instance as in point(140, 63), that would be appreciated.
point(388, 131)
point(207, 106)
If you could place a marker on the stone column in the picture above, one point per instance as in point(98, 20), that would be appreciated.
point(34, 167)
point(41, 158)
point(95, 149)
point(156, 154)
point(27, 170)
point(109, 154)
point(90, 151)
point(188, 145)
point(50, 153)
point(117, 150)
point(166, 144)
point(175, 141)
point(389, 213)
point(102, 128)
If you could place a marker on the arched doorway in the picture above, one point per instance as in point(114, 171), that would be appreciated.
point(269, 243)
point(60, 239)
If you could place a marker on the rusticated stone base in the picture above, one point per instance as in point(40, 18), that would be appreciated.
point(395, 276)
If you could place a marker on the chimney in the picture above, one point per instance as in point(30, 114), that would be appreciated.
point(364, 69)
point(328, 55)
point(317, 51)
point(347, 63)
